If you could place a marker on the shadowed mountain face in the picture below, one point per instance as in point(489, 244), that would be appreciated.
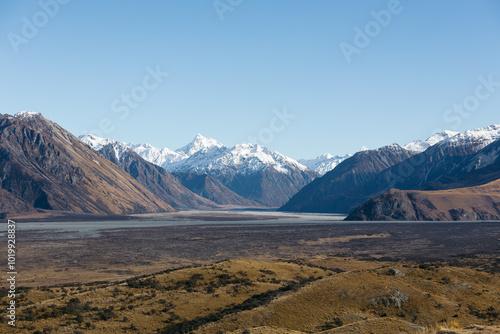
point(371, 173)
point(208, 187)
point(469, 191)
point(267, 187)
point(156, 179)
point(343, 189)
point(46, 167)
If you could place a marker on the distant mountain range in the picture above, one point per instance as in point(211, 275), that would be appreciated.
point(449, 176)
point(182, 191)
point(249, 171)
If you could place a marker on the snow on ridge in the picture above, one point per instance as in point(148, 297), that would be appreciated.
point(324, 163)
point(479, 138)
point(245, 158)
point(422, 145)
point(204, 154)
point(97, 143)
point(26, 113)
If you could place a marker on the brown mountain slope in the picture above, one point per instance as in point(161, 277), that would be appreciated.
point(49, 168)
point(472, 203)
point(12, 204)
point(345, 187)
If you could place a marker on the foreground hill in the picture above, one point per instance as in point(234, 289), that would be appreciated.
point(240, 296)
point(44, 166)
point(473, 203)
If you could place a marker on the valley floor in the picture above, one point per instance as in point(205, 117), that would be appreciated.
point(272, 276)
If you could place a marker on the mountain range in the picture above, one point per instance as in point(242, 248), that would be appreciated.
point(253, 173)
point(444, 161)
point(449, 176)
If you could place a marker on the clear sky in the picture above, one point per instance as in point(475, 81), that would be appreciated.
point(86, 65)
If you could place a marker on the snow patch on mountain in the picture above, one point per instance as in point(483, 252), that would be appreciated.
point(479, 138)
point(324, 163)
point(160, 157)
point(23, 114)
point(97, 143)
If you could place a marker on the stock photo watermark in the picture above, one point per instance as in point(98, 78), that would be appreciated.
point(364, 36)
point(122, 106)
point(456, 114)
point(222, 7)
point(277, 124)
point(31, 26)
point(471, 103)
point(11, 272)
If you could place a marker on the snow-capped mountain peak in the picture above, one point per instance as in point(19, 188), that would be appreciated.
point(478, 138)
point(199, 143)
point(160, 157)
point(242, 158)
point(204, 155)
point(422, 145)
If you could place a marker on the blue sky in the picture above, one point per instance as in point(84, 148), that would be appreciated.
point(229, 78)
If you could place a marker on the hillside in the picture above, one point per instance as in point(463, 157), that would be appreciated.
point(473, 203)
point(44, 166)
point(338, 296)
point(343, 189)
